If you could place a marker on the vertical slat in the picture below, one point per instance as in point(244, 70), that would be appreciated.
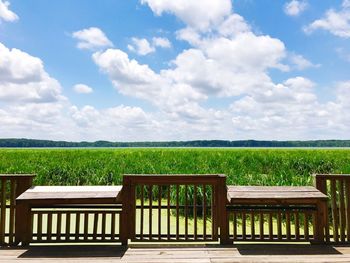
point(234, 221)
point(168, 213)
point(261, 225)
point(186, 212)
point(271, 226)
point(77, 226)
point(334, 210)
point(49, 225)
point(94, 233)
point(12, 211)
point(297, 225)
point(195, 211)
point(314, 226)
point(58, 225)
point(177, 212)
point(39, 226)
point(68, 225)
point(288, 225)
point(86, 225)
point(214, 214)
point(3, 211)
point(347, 193)
point(244, 218)
point(103, 227)
point(252, 225)
point(204, 212)
point(150, 211)
point(142, 211)
point(113, 228)
point(279, 225)
point(159, 211)
point(342, 210)
point(306, 226)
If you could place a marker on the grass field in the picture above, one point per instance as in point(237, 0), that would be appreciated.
point(242, 166)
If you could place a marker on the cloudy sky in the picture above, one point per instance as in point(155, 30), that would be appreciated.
point(142, 70)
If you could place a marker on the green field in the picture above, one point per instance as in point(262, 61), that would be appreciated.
point(242, 166)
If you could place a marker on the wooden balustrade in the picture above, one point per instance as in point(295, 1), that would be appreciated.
point(337, 187)
point(169, 208)
point(12, 185)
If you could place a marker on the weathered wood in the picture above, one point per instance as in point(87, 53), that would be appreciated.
point(3, 211)
point(334, 211)
point(342, 214)
point(347, 196)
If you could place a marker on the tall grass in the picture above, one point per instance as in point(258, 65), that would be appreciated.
point(242, 166)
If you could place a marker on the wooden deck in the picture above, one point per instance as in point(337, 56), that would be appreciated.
point(218, 254)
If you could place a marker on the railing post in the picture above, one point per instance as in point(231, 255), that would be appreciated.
point(124, 225)
point(223, 215)
point(320, 182)
point(22, 215)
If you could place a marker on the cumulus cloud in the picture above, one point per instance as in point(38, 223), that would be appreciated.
point(295, 7)
point(5, 13)
point(337, 22)
point(91, 38)
point(143, 47)
point(300, 63)
point(200, 15)
point(82, 89)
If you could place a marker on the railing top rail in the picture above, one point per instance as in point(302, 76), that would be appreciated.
point(9, 176)
point(173, 178)
point(332, 176)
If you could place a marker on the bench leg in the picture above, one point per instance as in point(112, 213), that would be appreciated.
point(23, 224)
point(321, 222)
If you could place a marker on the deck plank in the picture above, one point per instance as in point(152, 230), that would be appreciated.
point(205, 254)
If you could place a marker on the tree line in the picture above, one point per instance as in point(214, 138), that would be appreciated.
point(29, 143)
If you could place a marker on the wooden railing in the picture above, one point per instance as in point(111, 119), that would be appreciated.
point(169, 208)
point(271, 224)
point(337, 187)
point(76, 224)
point(12, 185)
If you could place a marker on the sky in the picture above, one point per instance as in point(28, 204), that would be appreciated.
point(151, 70)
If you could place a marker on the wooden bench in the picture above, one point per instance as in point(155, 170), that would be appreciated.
point(55, 204)
point(270, 207)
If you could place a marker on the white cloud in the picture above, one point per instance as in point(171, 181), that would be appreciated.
point(300, 63)
point(336, 22)
point(201, 15)
point(23, 78)
point(92, 38)
point(161, 42)
point(5, 13)
point(295, 7)
point(82, 88)
point(143, 47)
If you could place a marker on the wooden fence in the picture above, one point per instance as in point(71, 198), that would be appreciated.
point(180, 208)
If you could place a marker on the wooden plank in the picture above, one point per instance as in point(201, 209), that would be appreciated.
point(67, 233)
point(186, 212)
point(113, 228)
point(195, 211)
point(159, 211)
point(142, 210)
point(306, 226)
point(244, 219)
point(49, 226)
point(86, 226)
point(279, 225)
point(204, 212)
point(288, 225)
point(297, 225)
point(168, 212)
point(252, 225)
point(59, 225)
point(150, 210)
point(283, 189)
point(12, 211)
point(3, 211)
point(234, 221)
point(103, 225)
point(342, 214)
point(271, 226)
point(39, 226)
point(261, 225)
point(177, 212)
point(334, 210)
point(347, 196)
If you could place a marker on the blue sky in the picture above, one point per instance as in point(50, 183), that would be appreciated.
point(175, 70)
